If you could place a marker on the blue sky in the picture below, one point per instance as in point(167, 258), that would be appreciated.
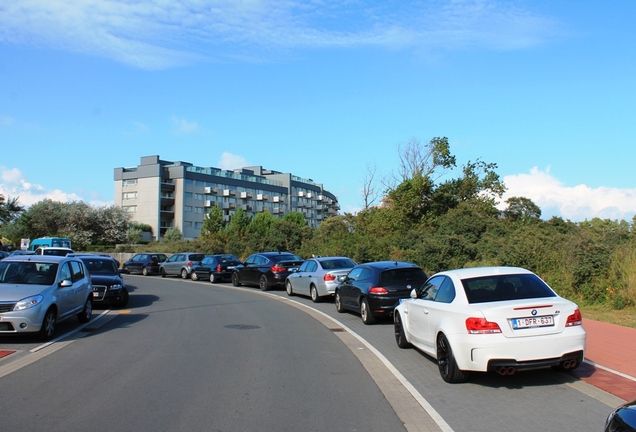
point(324, 89)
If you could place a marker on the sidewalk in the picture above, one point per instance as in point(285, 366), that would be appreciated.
point(610, 359)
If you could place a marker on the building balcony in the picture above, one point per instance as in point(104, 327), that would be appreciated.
point(228, 206)
point(278, 199)
point(229, 192)
point(246, 207)
point(167, 187)
point(246, 195)
point(209, 203)
point(210, 190)
point(262, 197)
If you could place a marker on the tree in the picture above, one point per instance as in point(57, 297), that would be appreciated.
point(296, 218)
point(239, 222)
point(172, 235)
point(369, 188)
point(522, 209)
point(9, 210)
point(213, 221)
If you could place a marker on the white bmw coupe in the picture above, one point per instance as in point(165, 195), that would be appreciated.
point(501, 319)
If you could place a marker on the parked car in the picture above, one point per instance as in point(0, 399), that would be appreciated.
point(501, 319)
point(216, 268)
point(38, 291)
point(181, 264)
point(266, 269)
point(59, 251)
point(622, 419)
point(18, 252)
point(3, 254)
point(108, 285)
point(144, 263)
point(374, 289)
point(318, 277)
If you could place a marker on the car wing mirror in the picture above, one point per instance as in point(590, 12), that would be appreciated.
point(66, 283)
point(414, 293)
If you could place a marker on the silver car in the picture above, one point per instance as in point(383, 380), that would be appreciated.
point(318, 277)
point(181, 264)
point(38, 291)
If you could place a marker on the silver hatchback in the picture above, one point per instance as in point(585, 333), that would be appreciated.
point(38, 291)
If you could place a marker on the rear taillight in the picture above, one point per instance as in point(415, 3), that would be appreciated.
point(153, 262)
point(328, 277)
point(481, 326)
point(378, 291)
point(575, 319)
point(278, 269)
point(218, 268)
point(189, 264)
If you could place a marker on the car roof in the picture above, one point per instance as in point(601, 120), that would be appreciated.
point(387, 265)
point(474, 272)
point(324, 258)
point(275, 253)
point(35, 258)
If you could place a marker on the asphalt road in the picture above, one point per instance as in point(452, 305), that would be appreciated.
point(191, 357)
point(172, 363)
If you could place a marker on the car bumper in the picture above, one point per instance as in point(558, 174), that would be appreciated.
point(102, 295)
point(490, 352)
point(385, 305)
point(28, 321)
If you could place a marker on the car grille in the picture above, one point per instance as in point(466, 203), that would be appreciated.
point(99, 291)
point(6, 307)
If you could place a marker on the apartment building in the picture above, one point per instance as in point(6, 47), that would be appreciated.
point(166, 194)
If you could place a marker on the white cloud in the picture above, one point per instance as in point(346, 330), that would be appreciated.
point(229, 161)
point(576, 203)
point(184, 126)
point(156, 34)
point(14, 185)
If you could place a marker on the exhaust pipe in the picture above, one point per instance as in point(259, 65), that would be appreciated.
point(503, 370)
point(569, 364)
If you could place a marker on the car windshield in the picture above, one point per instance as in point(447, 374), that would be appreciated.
point(284, 257)
point(28, 272)
point(505, 287)
point(100, 266)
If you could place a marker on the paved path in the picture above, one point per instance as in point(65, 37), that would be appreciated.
point(610, 359)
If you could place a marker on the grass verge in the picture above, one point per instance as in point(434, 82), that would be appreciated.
point(624, 317)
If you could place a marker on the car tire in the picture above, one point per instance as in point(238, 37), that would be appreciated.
point(125, 296)
point(289, 288)
point(194, 276)
point(213, 278)
point(313, 293)
point(235, 280)
point(263, 284)
point(446, 362)
point(338, 302)
point(144, 271)
point(163, 272)
point(48, 325)
point(365, 312)
point(400, 336)
point(87, 311)
point(184, 274)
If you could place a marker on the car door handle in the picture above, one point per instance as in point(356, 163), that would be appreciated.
point(426, 311)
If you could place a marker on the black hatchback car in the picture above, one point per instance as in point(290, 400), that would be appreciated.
point(216, 268)
point(144, 263)
point(266, 269)
point(374, 289)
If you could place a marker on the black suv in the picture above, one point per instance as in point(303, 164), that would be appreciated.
point(374, 289)
point(144, 263)
point(108, 285)
point(266, 269)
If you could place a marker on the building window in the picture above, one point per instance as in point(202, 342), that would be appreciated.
point(187, 224)
point(130, 209)
point(187, 208)
point(199, 197)
point(199, 210)
point(130, 195)
point(198, 225)
point(187, 195)
point(126, 183)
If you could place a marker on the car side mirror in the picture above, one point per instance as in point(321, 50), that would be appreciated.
point(66, 283)
point(342, 278)
point(414, 293)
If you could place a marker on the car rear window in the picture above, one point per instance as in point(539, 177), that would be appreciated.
point(505, 287)
point(412, 276)
point(196, 257)
point(340, 263)
point(284, 257)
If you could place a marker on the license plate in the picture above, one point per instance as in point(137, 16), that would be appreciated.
point(230, 267)
point(540, 321)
